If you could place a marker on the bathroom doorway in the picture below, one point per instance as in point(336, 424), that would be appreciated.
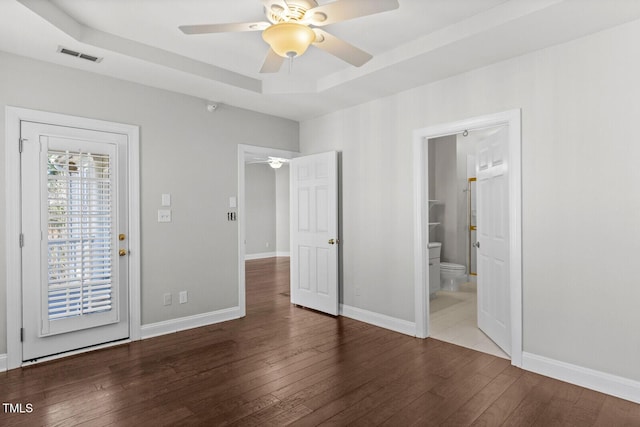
point(453, 243)
point(437, 217)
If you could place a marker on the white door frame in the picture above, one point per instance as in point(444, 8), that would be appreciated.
point(14, 116)
point(421, 138)
point(243, 150)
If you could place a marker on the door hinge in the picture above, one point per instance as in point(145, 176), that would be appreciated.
point(21, 144)
point(21, 334)
point(21, 240)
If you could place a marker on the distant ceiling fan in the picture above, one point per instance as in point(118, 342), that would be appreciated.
point(292, 28)
point(274, 162)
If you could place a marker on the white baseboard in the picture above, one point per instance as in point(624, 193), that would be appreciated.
point(377, 319)
point(260, 256)
point(614, 385)
point(189, 322)
point(3, 362)
point(283, 254)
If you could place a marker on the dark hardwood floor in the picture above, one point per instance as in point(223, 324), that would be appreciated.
point(285, 365)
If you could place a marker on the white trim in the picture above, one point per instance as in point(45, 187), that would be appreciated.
point(377, 319)
point(3, 362)
point(613, 385)
point(242, 224)
point(266, 255)
point(420, 179)
point(135, 245)
point(13, 262)
point(260, 255)
point(189, 322)
point(13, 116)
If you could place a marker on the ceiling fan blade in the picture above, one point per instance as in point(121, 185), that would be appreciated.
point(224, 28)
point(340, 48)
point(272, 62)
point(343, 10)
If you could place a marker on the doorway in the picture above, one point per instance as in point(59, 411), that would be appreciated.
point(313, 228)
point(512, 214)
point(74, 280)
point(254, 157)
point(455, 290)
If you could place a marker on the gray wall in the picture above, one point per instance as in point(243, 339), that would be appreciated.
point(267, 204)
point(282, 210)
point(446, 192)
point(260, 201)
point(185, 151)
point(466, 146)
point(580, 176)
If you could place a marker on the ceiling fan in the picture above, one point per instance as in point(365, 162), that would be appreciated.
point(293, 27)
point(274, 162)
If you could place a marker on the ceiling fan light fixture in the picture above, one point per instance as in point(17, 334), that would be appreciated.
point(289, 39)
point(275, 163)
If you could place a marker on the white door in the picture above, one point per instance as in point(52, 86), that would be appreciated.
point(314, 232)
point(74, 254)
point(493, 238)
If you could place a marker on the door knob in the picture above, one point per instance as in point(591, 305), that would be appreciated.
point(333, 241)
point(122, 252)
point(476, 245)
point(121, 237)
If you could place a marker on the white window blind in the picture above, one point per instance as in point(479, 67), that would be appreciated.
point(80, 230)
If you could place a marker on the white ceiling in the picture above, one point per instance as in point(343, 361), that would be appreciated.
point(421, 42)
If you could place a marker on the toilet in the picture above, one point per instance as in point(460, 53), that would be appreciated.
point(452, 276)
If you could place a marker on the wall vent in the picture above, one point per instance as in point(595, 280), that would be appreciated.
point(79, 54)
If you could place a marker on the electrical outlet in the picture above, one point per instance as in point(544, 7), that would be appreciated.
point(357, 291)
point(167, 299)
point(183, 297)
point(164, 215)
point(267, 244)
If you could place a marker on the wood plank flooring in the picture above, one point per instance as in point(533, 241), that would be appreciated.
point(285, 365)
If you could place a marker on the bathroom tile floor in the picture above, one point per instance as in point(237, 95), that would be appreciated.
point(454, 319)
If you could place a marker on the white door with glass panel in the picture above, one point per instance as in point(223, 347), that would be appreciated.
point(492, 201)
point(314, 232)
point(74, 228)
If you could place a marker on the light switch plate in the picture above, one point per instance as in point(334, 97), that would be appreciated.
point(164, 215)
point(166, 200)
point(233, 202)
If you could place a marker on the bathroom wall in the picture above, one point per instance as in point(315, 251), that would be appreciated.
point(446, 192)
point(473, 236)
point(465, 153)
point(433, 213)
point(432, 172)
